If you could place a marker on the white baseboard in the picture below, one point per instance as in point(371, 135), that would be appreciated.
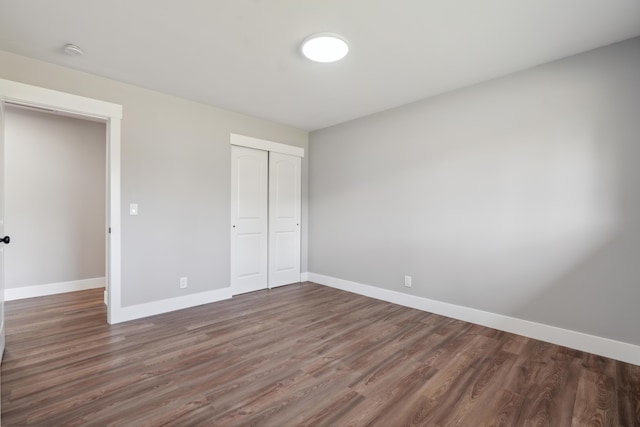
point(304, 277)
point(11, 294)
point(138, 311)
point(618, 350)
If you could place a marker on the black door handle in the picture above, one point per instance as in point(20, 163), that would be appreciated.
point(5, 239)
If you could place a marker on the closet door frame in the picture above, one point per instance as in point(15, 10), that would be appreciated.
point(271, 147)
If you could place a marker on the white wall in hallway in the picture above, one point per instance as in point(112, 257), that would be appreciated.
point(54, 199)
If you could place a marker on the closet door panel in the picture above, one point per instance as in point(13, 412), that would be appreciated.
point(284, 219)
point(249, 195)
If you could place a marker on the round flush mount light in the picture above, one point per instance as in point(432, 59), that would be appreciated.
point(72, 49)
point(325, 47)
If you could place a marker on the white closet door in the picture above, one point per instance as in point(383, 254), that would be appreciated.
point(284, 219)
point(249, 186)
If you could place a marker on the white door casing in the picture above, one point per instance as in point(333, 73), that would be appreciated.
point(111, 114)
point(249, 175)
point(284, 219)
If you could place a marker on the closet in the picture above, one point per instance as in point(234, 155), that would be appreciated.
point(265, 214)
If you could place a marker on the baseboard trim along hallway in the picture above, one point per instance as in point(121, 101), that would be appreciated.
point(618, 350)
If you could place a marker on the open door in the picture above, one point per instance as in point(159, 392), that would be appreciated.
point(4, 240)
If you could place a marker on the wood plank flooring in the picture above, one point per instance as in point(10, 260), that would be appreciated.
point(302, 354)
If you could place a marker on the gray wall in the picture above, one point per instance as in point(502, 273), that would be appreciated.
point(519, 196)
point(55, 198)
point(176, 166)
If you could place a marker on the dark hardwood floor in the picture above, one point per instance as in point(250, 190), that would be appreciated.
point(298, 355)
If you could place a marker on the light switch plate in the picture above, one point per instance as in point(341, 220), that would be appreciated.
point(407, 281)
point(133, 209)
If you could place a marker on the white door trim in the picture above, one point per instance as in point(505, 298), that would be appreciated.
point(263, 144)
point(111, 114)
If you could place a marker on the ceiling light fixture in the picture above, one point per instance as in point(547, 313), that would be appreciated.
point(72, 49)
point(325, 47)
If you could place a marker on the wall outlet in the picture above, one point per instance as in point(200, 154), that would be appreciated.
point(183, 282)
point(407, 281)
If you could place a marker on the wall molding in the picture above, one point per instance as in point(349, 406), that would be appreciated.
point(263, 144)
point(304, 277)
point(11, 294)
point(618, 350)
point(139, 311)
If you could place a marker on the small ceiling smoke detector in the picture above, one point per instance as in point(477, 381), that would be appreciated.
point(72, 49)
point(325, 47)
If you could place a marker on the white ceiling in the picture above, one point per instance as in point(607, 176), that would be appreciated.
point(244, 55)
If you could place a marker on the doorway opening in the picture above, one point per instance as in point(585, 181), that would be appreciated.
point(55, 202)
point(19, 94)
